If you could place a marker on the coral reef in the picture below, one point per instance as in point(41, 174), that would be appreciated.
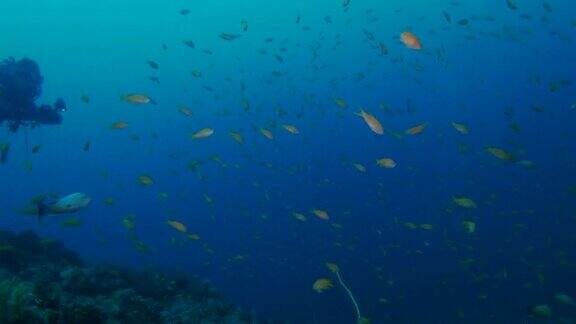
point(43, 282)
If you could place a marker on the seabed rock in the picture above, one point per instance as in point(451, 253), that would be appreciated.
point(43, 282)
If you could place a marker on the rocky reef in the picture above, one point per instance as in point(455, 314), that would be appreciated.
point(43, 282)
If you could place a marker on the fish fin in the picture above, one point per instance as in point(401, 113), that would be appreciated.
point(361, 113)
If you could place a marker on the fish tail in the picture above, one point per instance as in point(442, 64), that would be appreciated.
point(361, 113)
point(42, 208)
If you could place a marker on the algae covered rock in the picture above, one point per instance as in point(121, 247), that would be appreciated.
point(43, 282)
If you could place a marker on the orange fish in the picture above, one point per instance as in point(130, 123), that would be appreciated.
point(372, 122)
point(410, 40)
point(418, 129)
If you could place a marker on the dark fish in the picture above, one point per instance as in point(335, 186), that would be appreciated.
point(153, 65)
point(368, 35)
point(511, 4)
point(36, 148)
point(154, 79)
point(298, 19)
point(190, 43)
point(447, 16)
point(164, 47)
point(547, 6)
point(328, 19)
point(245, 104)
point(383, 49)
point(185, 12)
point(279, 58)
point(244, 25)
point(345, 3)
point(229, 37)
point(85, 99)
point(463, 22)
point(86, 146)
point(4, 150)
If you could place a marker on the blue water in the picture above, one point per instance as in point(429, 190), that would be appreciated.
point(486, 74)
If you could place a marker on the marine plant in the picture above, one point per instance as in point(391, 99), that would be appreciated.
point(334, 268)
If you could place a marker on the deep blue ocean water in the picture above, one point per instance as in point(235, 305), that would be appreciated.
point(507, 75)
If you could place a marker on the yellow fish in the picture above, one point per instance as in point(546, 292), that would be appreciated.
point(322, 214)
point(322, 284)
point(137, 99)
point(564, 299)
point(128, 222)
point(500, 153)
point(463, 129)
point(145, 180)
point(386, 163)
point(341, 102)
point(177, 226)
point(469, 227)
point(333, 267)
point(119, 125)
point(299, 216)
point(203, 133)
point(427, 226)
point(464, 202)
point(291, 129)
point(266, 133)
point(359, 167)
point(410, 225)
point(186, 111)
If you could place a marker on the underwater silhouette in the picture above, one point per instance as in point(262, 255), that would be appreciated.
point(20, 87)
